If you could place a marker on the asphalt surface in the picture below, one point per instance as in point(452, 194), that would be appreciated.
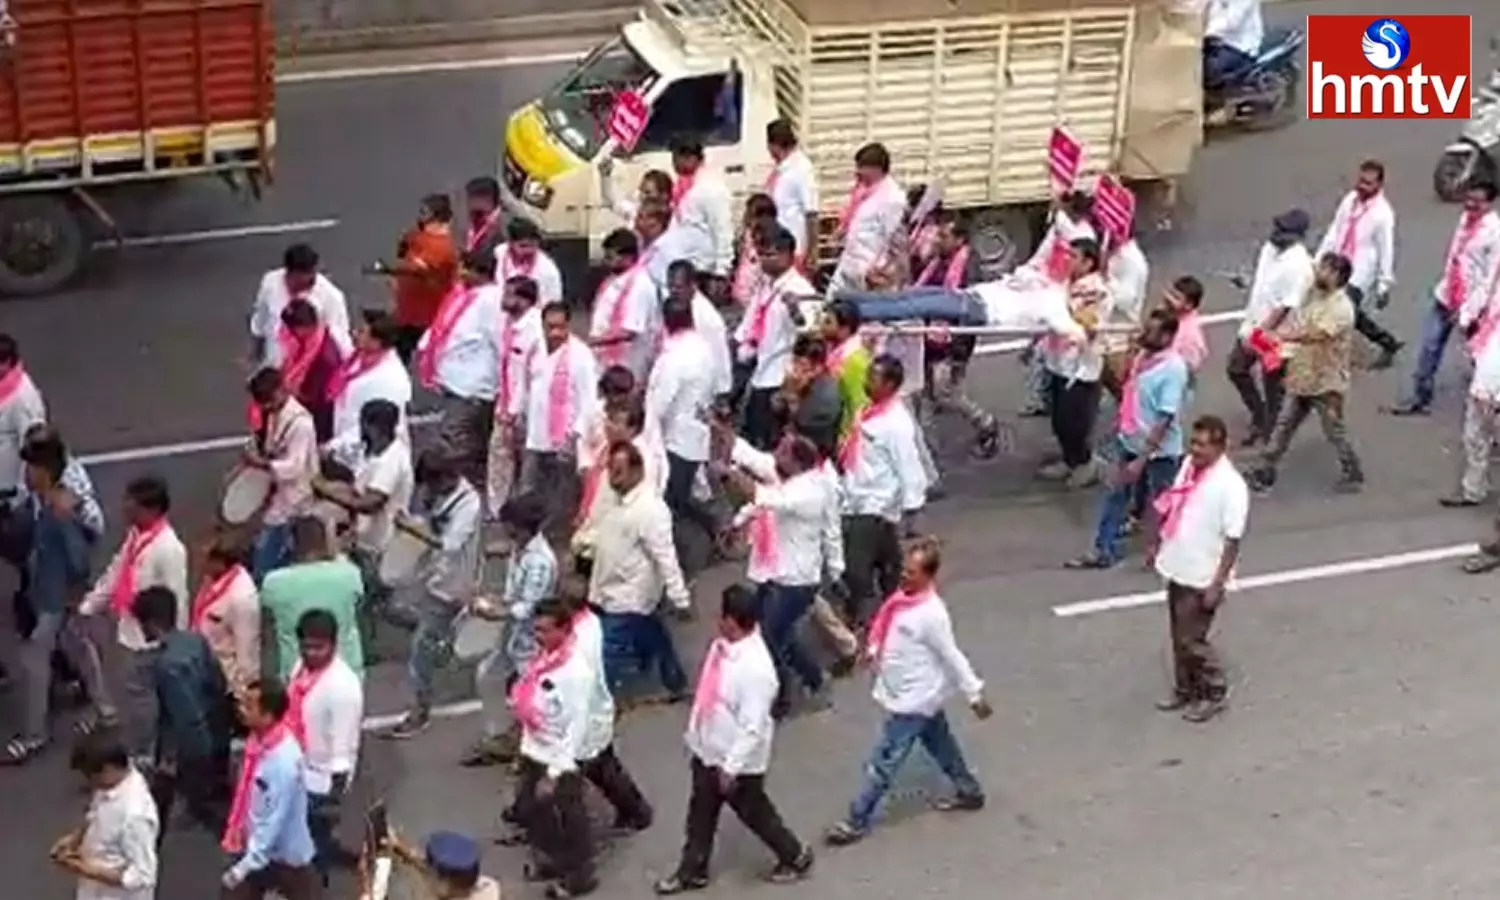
point(1356, 760)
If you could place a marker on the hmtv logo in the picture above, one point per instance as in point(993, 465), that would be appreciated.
point(1367, 67)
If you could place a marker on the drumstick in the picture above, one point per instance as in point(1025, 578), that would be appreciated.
point(416, 530)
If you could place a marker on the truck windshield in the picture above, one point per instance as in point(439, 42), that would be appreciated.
point(577, 109)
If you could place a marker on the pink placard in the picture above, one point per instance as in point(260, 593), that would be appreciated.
point(1114, 208)
point(1064, 160)
point(627, 120)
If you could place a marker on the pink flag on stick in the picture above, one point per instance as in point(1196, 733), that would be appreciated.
point(1114, 208)
point(627, 120)
point(1064, 160)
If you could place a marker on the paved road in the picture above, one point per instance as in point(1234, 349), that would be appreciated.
point(1353, 763)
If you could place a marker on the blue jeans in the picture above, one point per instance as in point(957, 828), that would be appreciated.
point(632, 642)
point(1220, 61)
point(898, 735)
point(1437, 327)
point(781, 610)
point(1120, 499)
point(272, 550)
point(937, 303)
point(431, 647)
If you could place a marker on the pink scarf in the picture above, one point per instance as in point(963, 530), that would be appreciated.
point(1490, 320)
point(953, 275)
point(921, 240)
point(764, 554)
point(11, 382)
point(743, 283)
point(774, 178)
point(1059, 260)
point(841, 354)
point(560, 399)
point(523, 699)
point(296, 700)
point(211, 593)
point(236, 831)
point(1456, 279)
point(849, 451)
point(354, 368)
point(681, 188)
point(710, 681)
point(1190, 343)
point(122, 592)
point(857, 198)
point(880, 626)
point(1174, 499)
point(1357, 211)
point(454, 306)
point(1130, 419)
point(511, 266)
point(479, 229)
point(593, 480)
point(624, 285)
point(297, 359)
point(760, 315)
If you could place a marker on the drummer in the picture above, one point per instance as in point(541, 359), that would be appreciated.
point(372, 372)
point(286, 445)
point(451, 513)
point(310, 362)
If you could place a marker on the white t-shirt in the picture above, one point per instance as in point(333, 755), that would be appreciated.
point(1282, 279)
point(390, 473)
point(1216, 511)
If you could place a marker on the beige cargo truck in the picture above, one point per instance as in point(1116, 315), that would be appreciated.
point(965, 91)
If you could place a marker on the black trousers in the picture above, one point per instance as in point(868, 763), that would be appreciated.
point(760, 418)
point(557, 826)
point(1373, 331)
point(681, 474)
point(203, 785)
point(1074, 406)
point(872, 564)
point(750, 803)
point(609, 775)
point(1262, 401)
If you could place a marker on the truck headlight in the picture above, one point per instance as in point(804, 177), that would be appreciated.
point(537, 194)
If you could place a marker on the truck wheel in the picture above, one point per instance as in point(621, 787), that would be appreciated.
point(42, 245)
point(1003, 237)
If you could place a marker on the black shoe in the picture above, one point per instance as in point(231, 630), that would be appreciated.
point(796, 870)
point(628, 825)
point(1203, 710)
point(679, 884)
point(960, 803)
point(1456, 501)
point(1411, 408)
point(1387, 356)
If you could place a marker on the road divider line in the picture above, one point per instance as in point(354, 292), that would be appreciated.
point(215, 445)
point(226, 234)
point(435, 67)
point(446, 711)
point(1364, 566)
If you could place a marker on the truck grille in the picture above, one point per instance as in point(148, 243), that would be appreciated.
point(513, 178)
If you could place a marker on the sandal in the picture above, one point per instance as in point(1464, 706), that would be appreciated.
point(20, 751)
point(94, 723)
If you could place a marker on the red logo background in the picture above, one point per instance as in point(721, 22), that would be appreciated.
point(1442, 45)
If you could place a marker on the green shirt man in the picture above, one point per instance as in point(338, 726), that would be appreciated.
point(288, 593)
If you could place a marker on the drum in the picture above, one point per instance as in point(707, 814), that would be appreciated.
point(245, 494)
point(475, 636)
point(402, 559)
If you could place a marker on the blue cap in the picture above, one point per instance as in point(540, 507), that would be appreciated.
point(449, 851)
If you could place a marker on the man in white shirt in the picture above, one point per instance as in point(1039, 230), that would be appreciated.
point(1460, 297)
point(1074, 364)
point(1072, 219)
point(459, 358)
point(1201, 520)
point(662, 241)
point(622, 331)
point(703, 210)
point(784, 520)
point(1127, 273)
point(1363, 231)
point(917, 666)
point(884, 487)
point(679, 400)
point(373, 372)
point(151, 555)
point(520, 333)
point(327, 708)
point(872, 226)
point(522, 256)
point(556, 401)
point(729, 734)
point(682, 281)
point(1481, 429)
point(1232, 34)
point(767, 332)
point(634, 562)
point(113, 854)
point(297, 279)
point(286, 446)
point(21, 408)
point(1283, 276)
point(793, 186)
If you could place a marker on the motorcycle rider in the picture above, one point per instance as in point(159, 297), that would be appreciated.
point(1232, 35)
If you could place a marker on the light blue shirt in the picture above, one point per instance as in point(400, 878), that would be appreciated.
point(1161, 391)
point(278, 831)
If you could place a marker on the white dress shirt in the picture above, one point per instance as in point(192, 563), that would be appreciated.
point(798, 510)
point(871, 235)
point(452, 570)
point(120, 833)
point(272, 297)
point(161, 563)
point(705, 218)
point(1237, 23)
point(734, 731)
point(19, 413)
point(468, 364)
point(564, 700)
point(1070, 352)
point(1127, 274)
point(774, 353)
point(833, 520)
point(525, 333)
point(710, 324)
point(1374, 258)
point(680, 394)
point(387, 380)
point(793, 185)
point(588, 644)
point(332, 715)
point(1282, 280)
point(583, 388)
point(634, 557)
point(887, 479)
point(232, 628)
point(1480, 257)
point(292, 456)
point(920, 665)
point(389, 472)
point(1216, 511)
point(543, 270)
point(654, 480)
point(630, 295)
point(658, 256)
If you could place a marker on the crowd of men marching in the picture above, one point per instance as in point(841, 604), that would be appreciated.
point(701, 411)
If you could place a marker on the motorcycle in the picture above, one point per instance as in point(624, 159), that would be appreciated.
point(1263, 92)
point(1474, 156)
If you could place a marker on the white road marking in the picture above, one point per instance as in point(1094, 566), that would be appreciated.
point(225, 234)
point(1343, 569)
point(446, 711)
point(427, 68)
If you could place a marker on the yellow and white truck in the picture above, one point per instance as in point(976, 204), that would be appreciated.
point(962, 91)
